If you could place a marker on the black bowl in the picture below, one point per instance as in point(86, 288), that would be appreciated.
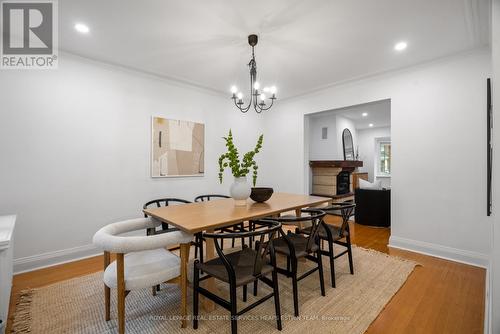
point(260, 194)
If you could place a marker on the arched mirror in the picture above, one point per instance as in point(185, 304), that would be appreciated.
point(347, 144)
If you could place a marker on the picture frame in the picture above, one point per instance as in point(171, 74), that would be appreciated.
point(177, 148)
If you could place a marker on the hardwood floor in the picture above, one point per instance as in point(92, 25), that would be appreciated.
point(439, 296)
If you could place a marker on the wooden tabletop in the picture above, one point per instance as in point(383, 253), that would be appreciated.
point(203, 216)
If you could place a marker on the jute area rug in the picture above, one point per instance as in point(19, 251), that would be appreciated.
point(77, 305)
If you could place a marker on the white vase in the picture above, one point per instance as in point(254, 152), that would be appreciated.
point(240, 190)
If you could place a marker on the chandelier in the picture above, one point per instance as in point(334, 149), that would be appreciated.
point(257, 97)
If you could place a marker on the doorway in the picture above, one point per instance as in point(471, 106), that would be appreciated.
point(369, 125)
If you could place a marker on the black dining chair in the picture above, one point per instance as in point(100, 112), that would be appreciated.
point(159, 203)
point(238, 269)
point(230, 229)
point(296, 246)
point(164, 226)
point(206, 198)
point(334, 234)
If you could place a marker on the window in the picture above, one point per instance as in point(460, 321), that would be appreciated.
point(384, 158)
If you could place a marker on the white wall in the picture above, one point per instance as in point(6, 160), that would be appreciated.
point(75, 151)
point(323, 149)
point(367, 141)
point(438, 131)
point(330, 148)
point(495, 270)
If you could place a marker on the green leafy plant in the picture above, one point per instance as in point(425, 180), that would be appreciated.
point(231, 159)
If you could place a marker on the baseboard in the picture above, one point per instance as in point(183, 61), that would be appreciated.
point(443, 252)
point(49, 259)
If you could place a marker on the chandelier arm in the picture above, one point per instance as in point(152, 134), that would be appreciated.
point(257, 108)
point(272, 102)
point(247, 108)
point(243, 109)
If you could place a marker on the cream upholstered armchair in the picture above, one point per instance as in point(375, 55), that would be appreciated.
point(141, 261)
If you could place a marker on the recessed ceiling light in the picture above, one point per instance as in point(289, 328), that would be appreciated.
point(400, 46)
point(370, 125)
point(82, 28)
point(364, 114)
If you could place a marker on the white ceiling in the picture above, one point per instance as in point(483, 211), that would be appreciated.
point(378, 114)
point(303, 46)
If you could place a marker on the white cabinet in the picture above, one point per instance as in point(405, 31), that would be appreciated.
point(6, 249)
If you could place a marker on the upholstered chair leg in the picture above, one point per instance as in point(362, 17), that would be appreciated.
point(107, 304)
point(107, 290)
point(153, 290)
point(120, 278)
point(332, 262)
point(320, 271)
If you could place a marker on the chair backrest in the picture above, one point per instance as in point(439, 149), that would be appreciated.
point(206, 198)
point(109, 237)
point(164, 202)
point(264, 227)
point(315, 218)
point(346, 211)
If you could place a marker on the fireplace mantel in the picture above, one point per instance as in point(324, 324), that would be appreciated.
point(336, 163)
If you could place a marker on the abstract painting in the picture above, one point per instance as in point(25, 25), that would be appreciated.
point(178, 148)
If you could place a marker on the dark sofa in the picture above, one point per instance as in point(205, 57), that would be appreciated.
point(373, 207)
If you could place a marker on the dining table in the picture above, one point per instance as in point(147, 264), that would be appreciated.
point(208, 216)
